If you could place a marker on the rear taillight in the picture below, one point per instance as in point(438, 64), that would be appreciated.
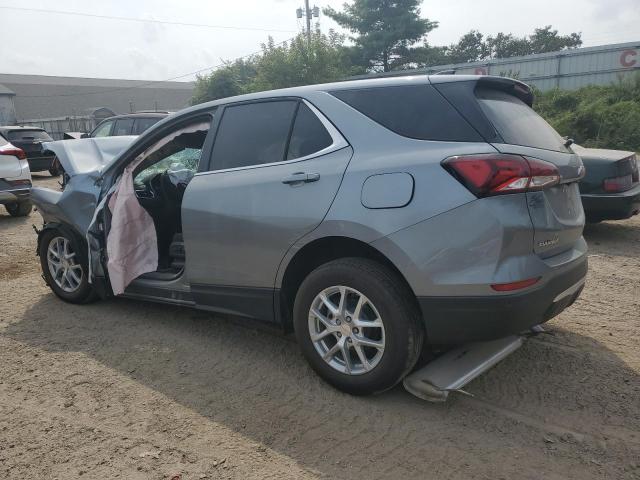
point(497, 174)
point(15, 151)
point(618, 184)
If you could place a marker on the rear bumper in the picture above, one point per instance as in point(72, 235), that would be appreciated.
point(456, 320)
point(13, 196)
point(616, 206)
point(39, 164)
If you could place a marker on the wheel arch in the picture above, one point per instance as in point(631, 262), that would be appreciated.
point(319, 252)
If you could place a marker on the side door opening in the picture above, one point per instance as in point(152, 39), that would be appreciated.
point(143, 222)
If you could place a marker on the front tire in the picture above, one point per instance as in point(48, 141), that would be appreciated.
point(63, 259)
point(19, 209)
point(358, 325)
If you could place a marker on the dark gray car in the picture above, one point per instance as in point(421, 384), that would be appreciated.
point(377, 218)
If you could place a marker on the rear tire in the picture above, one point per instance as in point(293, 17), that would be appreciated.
point(63, 258)
point(381, 339)
point(19, 209)
point(56, 169)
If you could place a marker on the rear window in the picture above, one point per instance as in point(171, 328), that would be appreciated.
point(28, 135)
point(414, 111)
point(516, 122)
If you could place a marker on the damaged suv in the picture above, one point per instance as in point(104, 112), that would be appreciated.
point(376, 218)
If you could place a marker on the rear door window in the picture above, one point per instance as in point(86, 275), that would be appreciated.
point(308, 135)
point(144, 123)
point(29, 135)
point(516, 122)
point(253, 134)
point(124, 126)
point(414, 111)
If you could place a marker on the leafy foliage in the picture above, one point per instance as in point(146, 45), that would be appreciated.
point(596, 116)
point(474, 46)
point(385, 31)
point(293, 63)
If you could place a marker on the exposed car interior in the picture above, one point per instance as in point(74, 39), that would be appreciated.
point(159, 183)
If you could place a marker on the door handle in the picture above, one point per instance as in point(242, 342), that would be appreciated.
point(300, 177)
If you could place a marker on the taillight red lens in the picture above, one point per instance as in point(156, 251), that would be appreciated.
point(618, 184)
point(496, 174)
point(11, 150)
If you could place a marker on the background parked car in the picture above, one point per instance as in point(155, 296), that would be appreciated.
point(15, 180)
point(610, 189)
point(30, 140)
point(130, 124)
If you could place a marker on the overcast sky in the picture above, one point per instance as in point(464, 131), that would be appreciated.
point(53, 44)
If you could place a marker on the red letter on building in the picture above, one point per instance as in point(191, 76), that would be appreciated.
point(626, 59)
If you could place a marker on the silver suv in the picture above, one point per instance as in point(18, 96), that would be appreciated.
point(377, 218)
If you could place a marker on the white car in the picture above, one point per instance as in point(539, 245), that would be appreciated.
point(15, 180)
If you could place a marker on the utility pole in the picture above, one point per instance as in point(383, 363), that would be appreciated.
point(307, 14)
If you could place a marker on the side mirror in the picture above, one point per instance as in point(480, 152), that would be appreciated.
point(84, 135)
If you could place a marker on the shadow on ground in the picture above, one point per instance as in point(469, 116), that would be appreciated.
point(257, 383)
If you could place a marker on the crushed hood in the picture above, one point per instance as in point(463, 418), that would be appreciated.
point(88, 154)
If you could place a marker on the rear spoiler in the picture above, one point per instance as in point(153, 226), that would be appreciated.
point(509, 85)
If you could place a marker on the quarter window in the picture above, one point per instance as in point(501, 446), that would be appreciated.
point(308, 135)
point(414, 111)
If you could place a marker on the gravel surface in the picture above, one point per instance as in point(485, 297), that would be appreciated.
point(126, 389)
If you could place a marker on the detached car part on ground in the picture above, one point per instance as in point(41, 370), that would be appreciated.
point(30, 140)
point(380, 219)
point(15, 180)
point(610, 189)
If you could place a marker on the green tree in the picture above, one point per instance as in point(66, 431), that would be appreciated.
point(546, 40)
point(470, 48)
point(233, 78)
point(289, 64)
point(298, 62)
point(474, 46)
point(386, 31)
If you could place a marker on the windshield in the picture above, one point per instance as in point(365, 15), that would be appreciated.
point(29, 135)
point(517, 123)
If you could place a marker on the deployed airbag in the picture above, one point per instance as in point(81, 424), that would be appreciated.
point(132, 243)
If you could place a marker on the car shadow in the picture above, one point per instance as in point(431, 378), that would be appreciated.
point(558, 392)
point(603, 236)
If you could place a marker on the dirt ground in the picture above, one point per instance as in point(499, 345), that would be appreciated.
point(126, 389)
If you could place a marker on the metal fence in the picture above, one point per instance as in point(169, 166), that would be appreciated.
point(56, 127)
point(567, 69)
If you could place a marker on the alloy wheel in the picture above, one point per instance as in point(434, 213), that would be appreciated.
point(65, 270)
point(346, 330)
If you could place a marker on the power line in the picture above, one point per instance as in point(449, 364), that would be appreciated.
point(146, 84)
point(143, 20)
